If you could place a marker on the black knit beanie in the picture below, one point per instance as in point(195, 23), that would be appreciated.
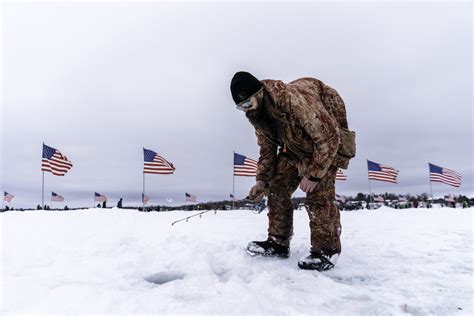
point(243, 85)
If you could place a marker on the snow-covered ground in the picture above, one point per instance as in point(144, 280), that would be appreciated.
point(414, 261)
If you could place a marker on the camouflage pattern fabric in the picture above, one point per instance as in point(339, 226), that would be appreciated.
point(324, 216)
point(308, 115)
point(280, 209)
point(308, 129)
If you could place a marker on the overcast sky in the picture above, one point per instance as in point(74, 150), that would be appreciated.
point(100, 81)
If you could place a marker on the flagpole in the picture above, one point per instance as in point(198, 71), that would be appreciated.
point(370, 189)
point(42, 194)
point(143, 191)
point(42, 185)
point(431, 190)
point(143, 195)
point(431, 187)
point(233, 181)
point(370, 197)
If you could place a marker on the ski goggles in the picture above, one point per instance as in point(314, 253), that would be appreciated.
point(247, 103)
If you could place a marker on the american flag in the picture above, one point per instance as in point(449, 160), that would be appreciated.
point(444, 175)
point(244, 166)
point(145, 198)
point(55, 162)
point(402, 198)
point(340, 198)
point(190, 197)
point(56, 197)
point(7, 197)
point(382, 172)
point(232, 196)
point(156, 164)
point(99, 197)
point(378, 198)
point(340, 175)
point(449, 198)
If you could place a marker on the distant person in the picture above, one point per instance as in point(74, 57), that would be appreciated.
point(98, 205)
point(302, 132)
point(119, 203)
point(104, 204)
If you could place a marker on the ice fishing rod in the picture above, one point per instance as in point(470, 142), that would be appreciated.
point(187, 218)
point(258, 208)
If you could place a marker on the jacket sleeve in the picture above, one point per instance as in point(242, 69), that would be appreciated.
point(321, 127)
point(267, 159)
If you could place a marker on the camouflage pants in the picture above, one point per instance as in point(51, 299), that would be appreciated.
point(323, 215)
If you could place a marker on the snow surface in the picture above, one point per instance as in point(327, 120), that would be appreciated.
point(394, 262)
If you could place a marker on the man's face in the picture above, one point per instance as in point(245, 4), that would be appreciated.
point(251, 103)
point(254, 104)
point(256, 112)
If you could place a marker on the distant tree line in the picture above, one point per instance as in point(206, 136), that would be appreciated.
point(351, 202)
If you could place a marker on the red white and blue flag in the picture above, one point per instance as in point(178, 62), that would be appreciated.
point(7, 197)
point(378, 198)
point(449, 198)
point(340, 176)
point(189, 197)
point(56, 197)
point(244, 166)
point(381, 172)
point(444, 175)
point(55, 162)
point(340, 198)
point(99, 197)
point(154, 163)
point(402, 198)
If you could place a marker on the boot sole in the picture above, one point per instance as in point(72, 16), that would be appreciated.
point(312, 267)
point(254, 254)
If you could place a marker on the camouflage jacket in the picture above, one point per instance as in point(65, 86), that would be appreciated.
point(307, 129)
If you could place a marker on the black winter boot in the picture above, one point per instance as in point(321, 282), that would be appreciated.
point(318, 261)
point(267, 248)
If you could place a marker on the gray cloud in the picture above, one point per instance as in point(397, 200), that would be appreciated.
point(100, 81)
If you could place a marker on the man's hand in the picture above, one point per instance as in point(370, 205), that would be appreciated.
point(307, 185)
point(257, 191)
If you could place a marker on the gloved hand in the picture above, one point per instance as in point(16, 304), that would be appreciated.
point(257, 191)
point(307, 185)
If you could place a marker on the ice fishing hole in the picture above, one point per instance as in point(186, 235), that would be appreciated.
point(165, 277)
